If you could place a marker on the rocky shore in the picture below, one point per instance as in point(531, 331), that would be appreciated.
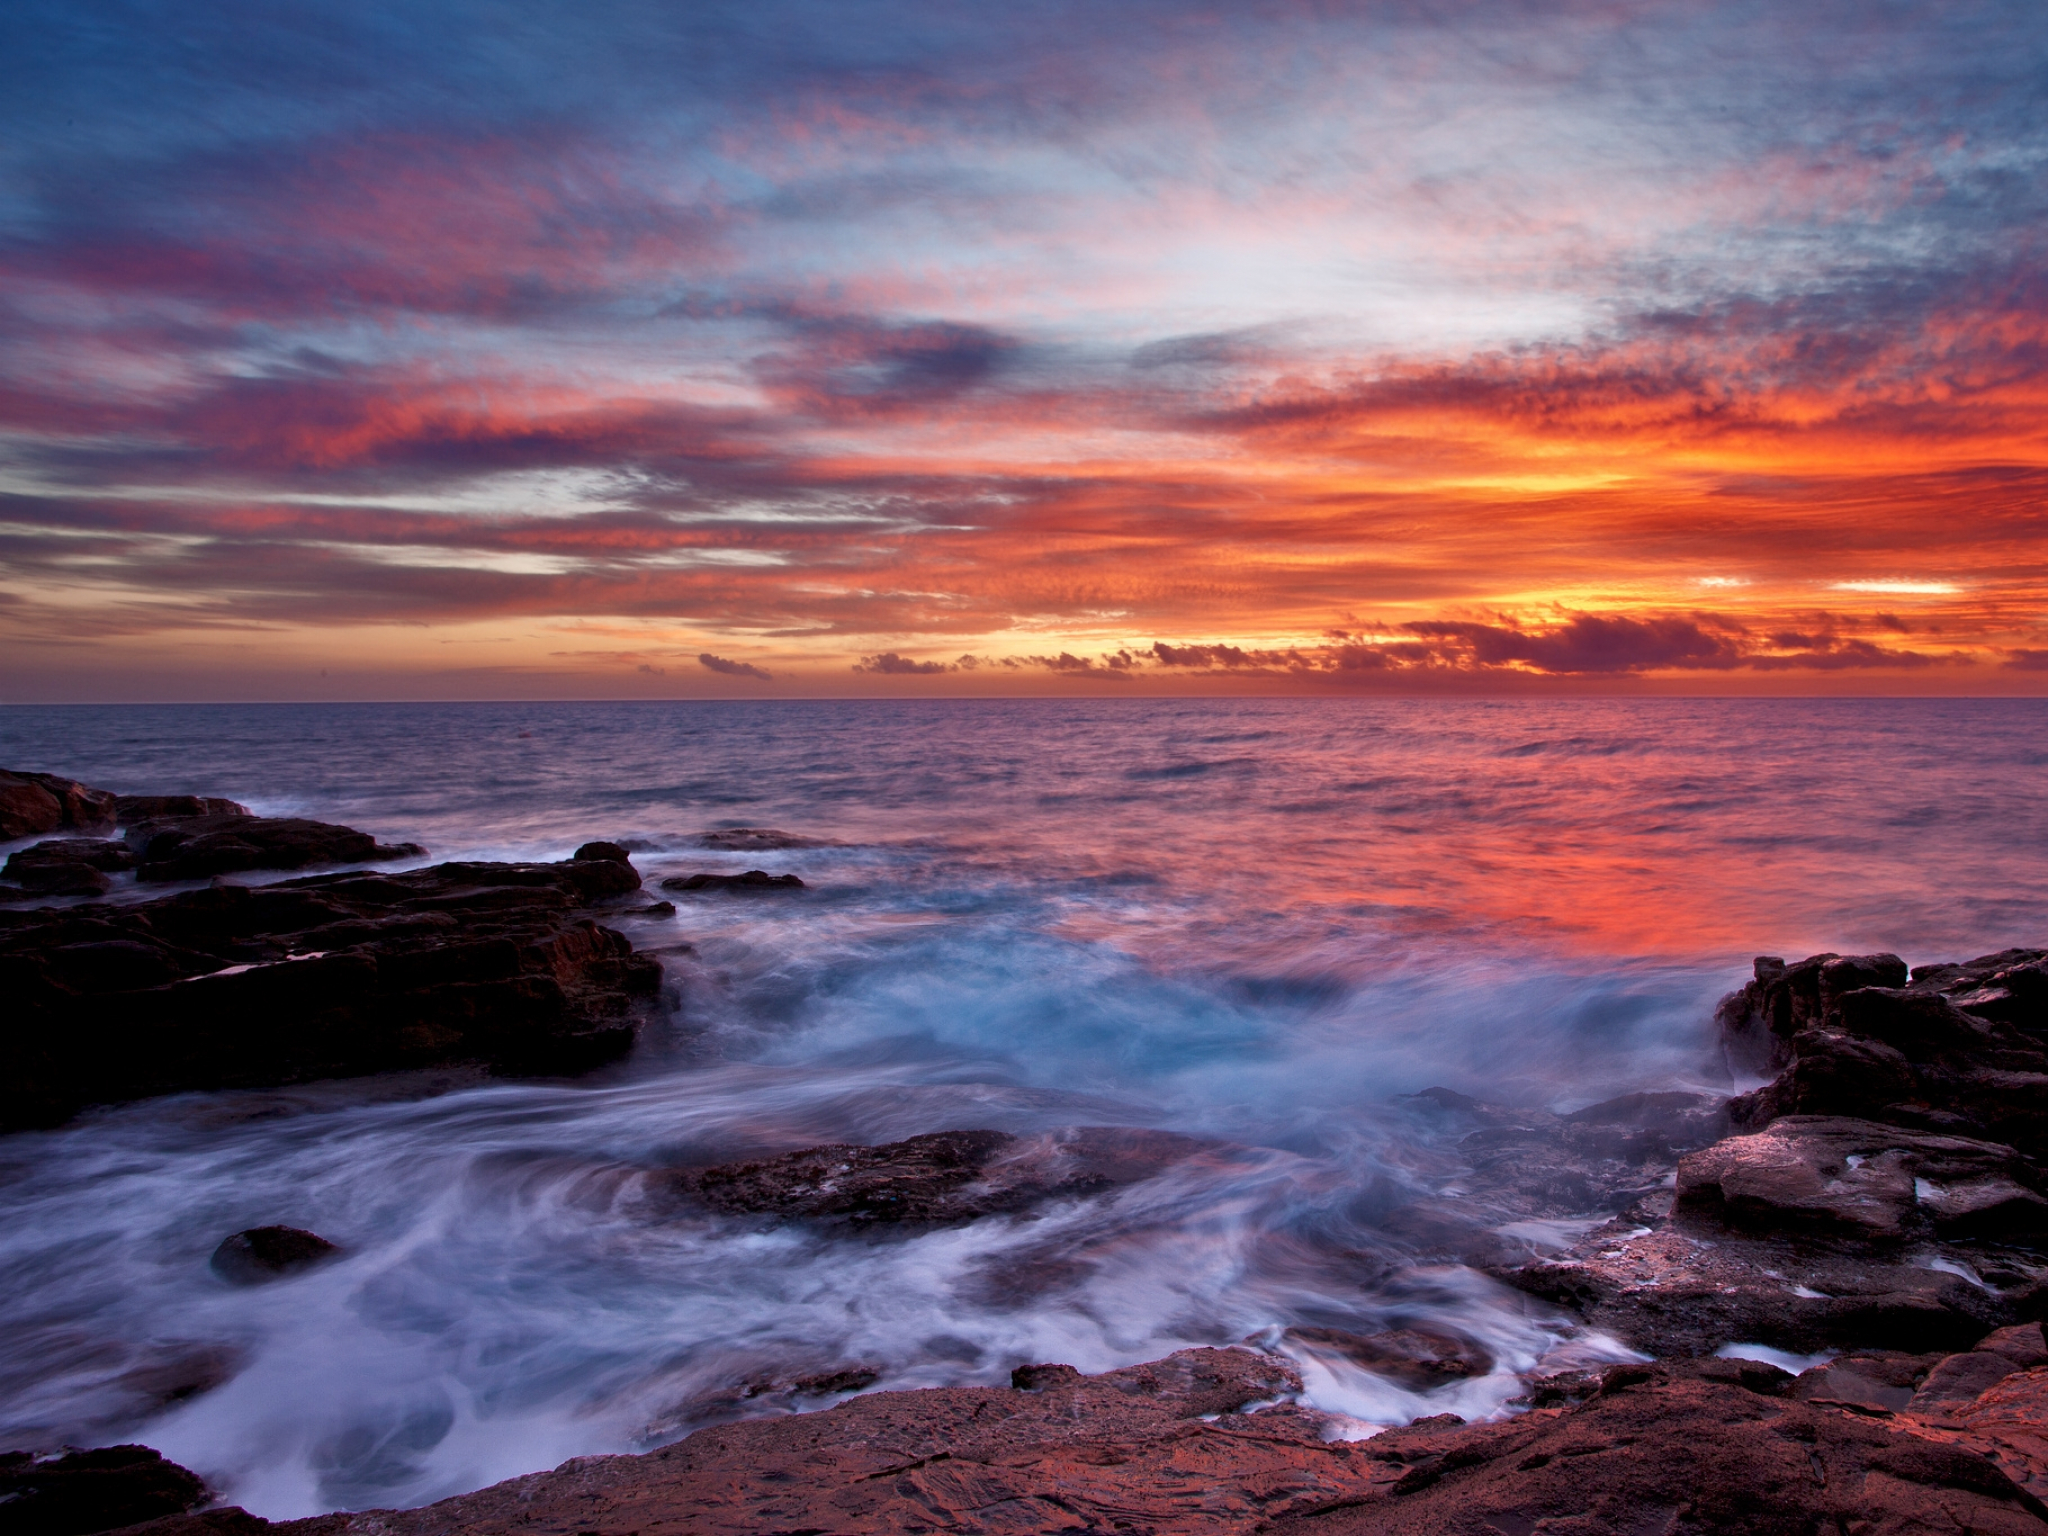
point(501, 967)
point(1873, 1218)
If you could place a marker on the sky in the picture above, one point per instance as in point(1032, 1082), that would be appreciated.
point(444, 349)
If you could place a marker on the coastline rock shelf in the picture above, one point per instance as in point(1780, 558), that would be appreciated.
point(501, 967)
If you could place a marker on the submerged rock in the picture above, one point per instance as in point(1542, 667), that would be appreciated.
point(756, 840)
point(755, 882)
point(1417, 1358)
point(269, 1253)
point(334, 975)
point(946, 1176)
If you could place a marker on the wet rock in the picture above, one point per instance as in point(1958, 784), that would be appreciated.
point(1516, 1170)
point(1158, 1447)
point(1882, 1379)
point(1417, 1358)
point(608, 851)
point(756, 840)
point(1036, 1378)
point(947, 1176)
point(33, 803)
point(755, 882)
point(85, 1491)
point(1675, 1286)
point(1169, 1448)
point(201, 847)
point(68, 866)
point(1863, 1179)
point(269, 1253)
point(134, 808)
point(1961, 1049)
point(494, 965)
point(1670, 1449)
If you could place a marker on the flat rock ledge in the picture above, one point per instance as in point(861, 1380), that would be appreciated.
point(497, 966)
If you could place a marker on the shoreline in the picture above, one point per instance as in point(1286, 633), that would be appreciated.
point(1880, 1201)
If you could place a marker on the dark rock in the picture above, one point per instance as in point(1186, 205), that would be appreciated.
point(1679, 1286)
point(231, 1520)
point(43, 802)
point(85, 1491)
point(133, 808)
point(946, 1176)
point(611, 851)
point(1862, 1179)
point(830, 1383)
point(1036, 1378)
point(1416, 1358)
point(201, 847)
point(756, 840)
point(1956, 1049)
point(269, 1253)
point(485, 964)
point(68, 866)
point(755, 882)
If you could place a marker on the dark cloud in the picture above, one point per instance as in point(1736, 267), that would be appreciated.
point(889, 664)
point(728, 668)
point(1589, 643)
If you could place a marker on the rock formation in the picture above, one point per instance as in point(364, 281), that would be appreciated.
point(336, 975)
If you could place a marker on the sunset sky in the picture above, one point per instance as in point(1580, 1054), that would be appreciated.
point(356, 349)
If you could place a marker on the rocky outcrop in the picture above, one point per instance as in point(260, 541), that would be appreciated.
point(501, 966)
point(263, 1254)
point(201, 847)
point(119, 1485)
point(755, 882)
point(944, 1177)
point(1954, 1049)
point(34, 803)
point(1859, 1178)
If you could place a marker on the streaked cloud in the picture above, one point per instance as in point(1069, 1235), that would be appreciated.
point(1261, 346)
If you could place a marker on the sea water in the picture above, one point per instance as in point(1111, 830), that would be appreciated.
point(1257, 922)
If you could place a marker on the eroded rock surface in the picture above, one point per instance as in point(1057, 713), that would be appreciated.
point(334, 975)
point(947, 1176)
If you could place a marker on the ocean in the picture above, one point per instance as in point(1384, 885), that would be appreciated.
point(1262, 922)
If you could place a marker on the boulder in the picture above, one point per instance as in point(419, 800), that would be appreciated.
point(133, 808)
point(492, 965)
point(201, 847)
point(1862, 1179)
point(755, 882)
point(85, 1491)
point(68, 866)
point(611, 852)
point(33, 803)
point(943, 1177)
point(262, 1254)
